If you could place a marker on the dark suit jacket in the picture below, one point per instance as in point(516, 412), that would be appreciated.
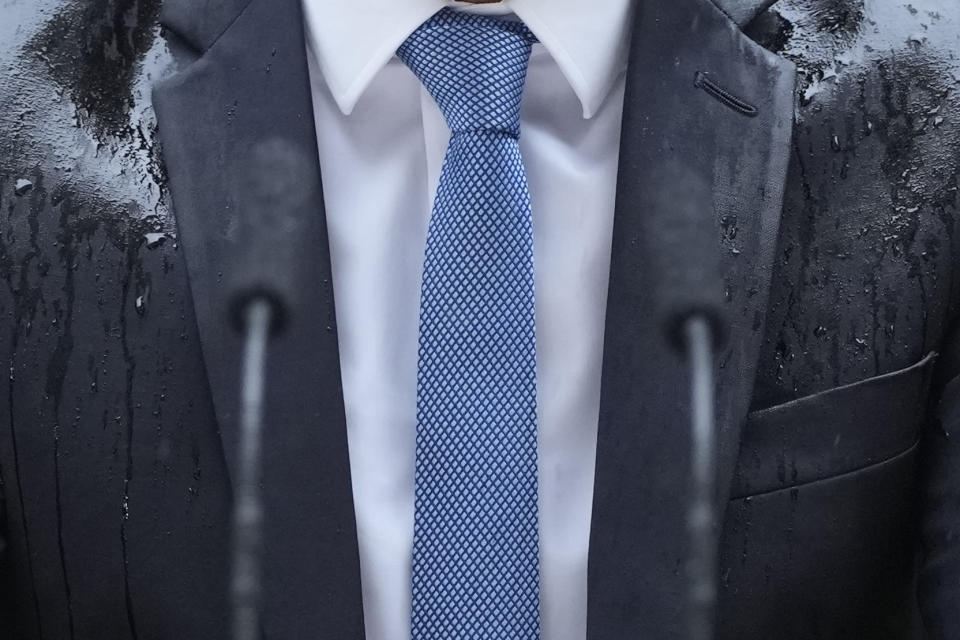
point(834, 176)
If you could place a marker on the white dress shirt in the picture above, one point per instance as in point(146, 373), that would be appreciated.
point(381, 141)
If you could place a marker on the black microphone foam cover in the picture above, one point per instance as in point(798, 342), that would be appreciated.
point(681, 238)
point(269, 229)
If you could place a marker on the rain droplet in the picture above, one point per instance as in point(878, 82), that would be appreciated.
point(140, 305)
point(154, 240)
point(22, 186)
point(835, 143)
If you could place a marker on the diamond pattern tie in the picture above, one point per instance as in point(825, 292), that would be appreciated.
point(475, 548)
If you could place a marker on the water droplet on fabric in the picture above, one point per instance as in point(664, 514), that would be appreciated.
point(154, 240)
point(22, 186)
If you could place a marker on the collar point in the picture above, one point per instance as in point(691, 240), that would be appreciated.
point(346, 104)
point(590, 103)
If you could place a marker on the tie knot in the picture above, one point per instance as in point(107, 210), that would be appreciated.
point(474, 66)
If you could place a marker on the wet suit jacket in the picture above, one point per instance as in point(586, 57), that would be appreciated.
point(835, 202)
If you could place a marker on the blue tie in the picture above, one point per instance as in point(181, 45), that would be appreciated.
point(475, 547)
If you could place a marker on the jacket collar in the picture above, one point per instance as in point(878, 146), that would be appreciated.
point(249, 86)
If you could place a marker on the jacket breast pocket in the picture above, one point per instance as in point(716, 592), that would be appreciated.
point(832, 432)
point(819, 538)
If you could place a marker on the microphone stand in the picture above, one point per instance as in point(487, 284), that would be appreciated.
point(245, 589)
point(701, 512)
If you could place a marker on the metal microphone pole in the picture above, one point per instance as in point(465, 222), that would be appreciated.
point(247, 521)
point(701, 511)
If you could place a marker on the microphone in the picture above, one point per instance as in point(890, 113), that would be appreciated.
point(680, 240)
point(268, 228)
point(261, 290)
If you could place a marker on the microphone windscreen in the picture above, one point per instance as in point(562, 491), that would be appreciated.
point(268, 229)
point(681, 239)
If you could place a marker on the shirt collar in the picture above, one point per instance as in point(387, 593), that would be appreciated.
point(354, 39)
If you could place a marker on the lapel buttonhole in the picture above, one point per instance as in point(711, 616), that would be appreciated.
point(702, 81)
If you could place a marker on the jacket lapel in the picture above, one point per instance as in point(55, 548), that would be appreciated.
point(250, 87)
point(701, 95)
